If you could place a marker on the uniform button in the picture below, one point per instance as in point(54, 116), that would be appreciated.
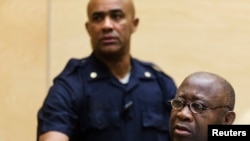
point(147, 74)
point(93, 75)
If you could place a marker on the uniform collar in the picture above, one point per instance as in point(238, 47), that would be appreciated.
point(97, 70)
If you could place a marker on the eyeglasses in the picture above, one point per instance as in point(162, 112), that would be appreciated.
point(194, 107)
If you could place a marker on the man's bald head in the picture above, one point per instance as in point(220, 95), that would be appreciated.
point(216, 82)
point(129, 4)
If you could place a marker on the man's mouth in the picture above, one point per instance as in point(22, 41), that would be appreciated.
point(182, 131)
point(108, 40)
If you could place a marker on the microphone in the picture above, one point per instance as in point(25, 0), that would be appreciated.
point(127, 106)
point(126, 112)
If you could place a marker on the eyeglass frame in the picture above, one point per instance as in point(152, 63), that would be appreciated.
point(203, 107)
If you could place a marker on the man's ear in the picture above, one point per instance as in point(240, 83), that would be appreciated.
point(87, 27)
point(135, 24)
point(230, 117)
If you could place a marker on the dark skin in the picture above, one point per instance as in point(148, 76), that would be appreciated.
point(110, 26)
point(207, 90)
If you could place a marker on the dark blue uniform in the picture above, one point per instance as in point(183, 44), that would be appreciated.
point(87, 103)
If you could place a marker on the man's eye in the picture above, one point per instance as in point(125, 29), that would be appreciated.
point(197, 106)
point(97, 18)
point(117, 16)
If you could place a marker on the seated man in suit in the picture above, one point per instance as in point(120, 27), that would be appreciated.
point(203, 98)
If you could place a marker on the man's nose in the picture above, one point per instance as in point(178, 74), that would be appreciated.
point(185, 113)
point(107, 23)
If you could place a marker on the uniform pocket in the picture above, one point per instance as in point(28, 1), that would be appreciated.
point(155, 119)
point(103, 120)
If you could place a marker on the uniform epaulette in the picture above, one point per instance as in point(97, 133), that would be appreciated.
point(83, 60)
point(154, 66)
point(73, 63)
point(157, 68)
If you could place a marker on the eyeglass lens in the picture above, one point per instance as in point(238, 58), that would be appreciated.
point(194, 107)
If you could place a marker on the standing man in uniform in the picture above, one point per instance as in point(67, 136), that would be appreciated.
point(109, 95)
point(203, 98)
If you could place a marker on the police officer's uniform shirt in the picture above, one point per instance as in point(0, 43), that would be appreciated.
point(87, 103)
